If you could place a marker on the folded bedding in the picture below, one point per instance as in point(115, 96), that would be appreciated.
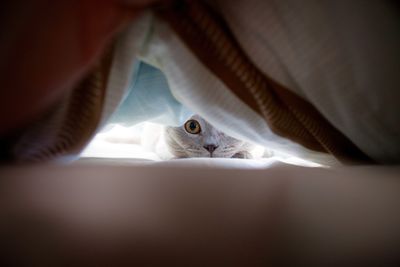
point(303, 85)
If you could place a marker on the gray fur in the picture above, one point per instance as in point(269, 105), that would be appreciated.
point(186, 145)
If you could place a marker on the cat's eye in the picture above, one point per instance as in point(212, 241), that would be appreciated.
point(192, 127)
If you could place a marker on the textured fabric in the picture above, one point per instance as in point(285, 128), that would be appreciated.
point(149, 99)
point(299, 49)
point(341, 56)
point(47, 47)
point(53, 88)
point(286, 114)
point(193, 85)
point(68, 126)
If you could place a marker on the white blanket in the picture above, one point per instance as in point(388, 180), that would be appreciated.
point(321, 51)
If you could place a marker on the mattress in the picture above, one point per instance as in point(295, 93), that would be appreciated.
point(201, 211)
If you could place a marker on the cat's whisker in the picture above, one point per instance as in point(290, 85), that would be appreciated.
point(190, 140)
point(193, 150)
point(228, 150)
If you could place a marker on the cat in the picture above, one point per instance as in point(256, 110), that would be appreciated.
point(198, 138)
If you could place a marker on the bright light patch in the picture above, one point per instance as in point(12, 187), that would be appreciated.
point(142, 141)
point(117, 141)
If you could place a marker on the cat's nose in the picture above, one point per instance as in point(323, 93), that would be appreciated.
point(210, 148)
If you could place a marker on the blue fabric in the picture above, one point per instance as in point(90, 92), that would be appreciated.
point(149, 99)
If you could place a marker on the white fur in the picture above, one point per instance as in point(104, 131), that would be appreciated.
point(182, 144)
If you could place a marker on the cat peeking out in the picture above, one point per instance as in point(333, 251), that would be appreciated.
point(198, 138)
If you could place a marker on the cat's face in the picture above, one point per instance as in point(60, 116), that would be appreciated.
point(197, 138)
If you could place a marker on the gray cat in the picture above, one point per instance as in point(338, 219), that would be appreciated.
point(198, 138)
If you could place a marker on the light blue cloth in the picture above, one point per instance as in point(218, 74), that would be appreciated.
point(149, 99)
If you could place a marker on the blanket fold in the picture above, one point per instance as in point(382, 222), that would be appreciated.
point(203, 30)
